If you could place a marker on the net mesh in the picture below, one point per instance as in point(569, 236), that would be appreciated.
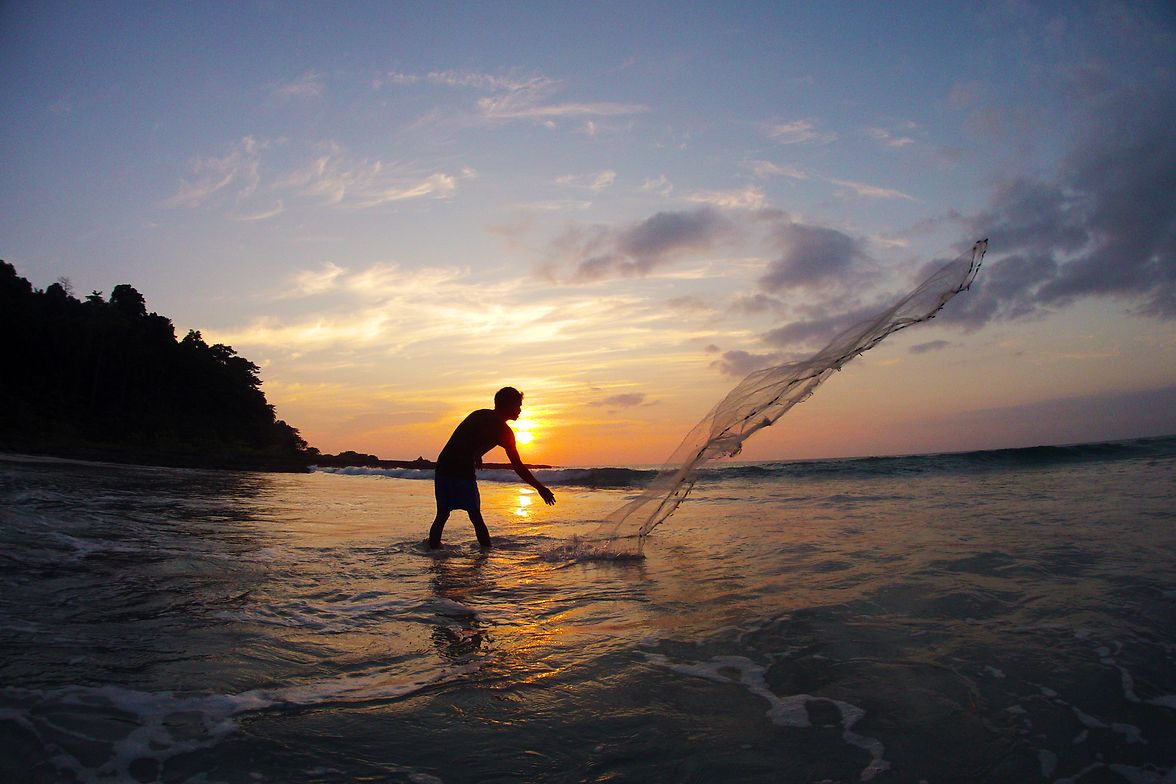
point(760, 399)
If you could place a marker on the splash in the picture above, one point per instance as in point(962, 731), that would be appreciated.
point(760, 399)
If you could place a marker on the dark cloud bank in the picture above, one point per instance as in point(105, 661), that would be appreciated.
point(1102, 225)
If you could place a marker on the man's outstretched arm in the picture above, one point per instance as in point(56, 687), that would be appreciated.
point(525, 474)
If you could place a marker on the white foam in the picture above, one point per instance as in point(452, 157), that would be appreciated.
point(1049, 762)
point(1077, 776)
point(790, 711)
point(1136, 775)
point(152, 733)
point(578, 549)
point(1164, 700)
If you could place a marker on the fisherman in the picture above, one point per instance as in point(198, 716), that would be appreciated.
point(454, 481)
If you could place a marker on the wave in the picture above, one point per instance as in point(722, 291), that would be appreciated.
point(578, 477)
point(848, 468)
point(953, 462)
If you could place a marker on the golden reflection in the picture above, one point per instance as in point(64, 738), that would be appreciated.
point(522, 508)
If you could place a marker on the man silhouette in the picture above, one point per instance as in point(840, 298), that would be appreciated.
point(455, 484)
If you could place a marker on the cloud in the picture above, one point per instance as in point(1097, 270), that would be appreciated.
point(331, 177)
point(209, 176)
point(750, 198)
point(872, 191)
point(626, 400)
point(484, 81)
point(929, 346)
point(395, 77)
point(796, 132)
point(530, 100)
point(310, 282)
point(1103, 226)
point(555, 205)
point(309, 85)
point(889, 139)
point(739, 363)
point(260, 215)
point(757, 303)
point(437, 186)
point(811, 256)
point(593, 182)
point(600, 252)
point(819, 331)
point(521, 106)
point(659, 185)
point(764, 169)
point(514, 97)
point(1006, 289)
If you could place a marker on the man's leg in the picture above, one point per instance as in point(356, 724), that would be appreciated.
point(437, 528)
point(480, 528)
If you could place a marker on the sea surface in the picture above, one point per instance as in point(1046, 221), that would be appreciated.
point(1003, 616)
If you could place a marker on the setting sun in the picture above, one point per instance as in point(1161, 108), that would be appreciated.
point(524, 431)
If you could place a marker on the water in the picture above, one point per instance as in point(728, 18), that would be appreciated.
point(1000, 616)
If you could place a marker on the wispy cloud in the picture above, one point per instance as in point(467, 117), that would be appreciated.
point(264, 214)
point(929, 346)
point(659, 184)
point(310, 85)
point(764, 169)
point(377, 281)
point(554, 205)
point(750, 198)
point(484, 81)
point(530, 104)
point(594, 182)
point(624, 400)
point(336, 178)
point(515, 97)
point(891, 139)
point(332, 177)
point(797, 132)
point(238, 168)
point(867, 191)
point(310, 282)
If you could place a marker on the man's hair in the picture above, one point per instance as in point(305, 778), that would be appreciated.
point(507, 396)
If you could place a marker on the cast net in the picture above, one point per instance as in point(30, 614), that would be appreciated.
point(765, 395)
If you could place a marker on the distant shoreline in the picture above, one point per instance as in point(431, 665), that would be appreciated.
point(152, 458)
point(225, 461)
point(420, 464)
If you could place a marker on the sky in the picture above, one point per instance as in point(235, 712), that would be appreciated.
point(394, 209)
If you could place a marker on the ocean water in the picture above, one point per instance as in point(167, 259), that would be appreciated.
point(994, 617)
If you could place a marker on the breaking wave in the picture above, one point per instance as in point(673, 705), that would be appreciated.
point(847, 468)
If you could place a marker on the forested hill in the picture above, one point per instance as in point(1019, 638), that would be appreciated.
point(103, 378)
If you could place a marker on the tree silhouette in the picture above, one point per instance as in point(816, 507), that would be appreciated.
point(107, 375)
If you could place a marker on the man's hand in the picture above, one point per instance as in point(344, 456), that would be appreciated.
point(546, 495)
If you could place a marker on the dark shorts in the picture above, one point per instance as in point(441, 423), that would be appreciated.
point(455, 493)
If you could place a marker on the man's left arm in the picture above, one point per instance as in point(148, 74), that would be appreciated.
point(525, 474)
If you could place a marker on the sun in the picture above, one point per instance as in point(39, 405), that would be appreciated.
point(523, 431)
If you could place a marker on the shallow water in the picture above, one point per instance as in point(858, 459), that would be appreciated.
point(1006, 620)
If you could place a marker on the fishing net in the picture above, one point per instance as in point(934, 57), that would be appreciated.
point(764, 396)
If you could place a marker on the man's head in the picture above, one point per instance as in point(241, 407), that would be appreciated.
point(508, 402)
